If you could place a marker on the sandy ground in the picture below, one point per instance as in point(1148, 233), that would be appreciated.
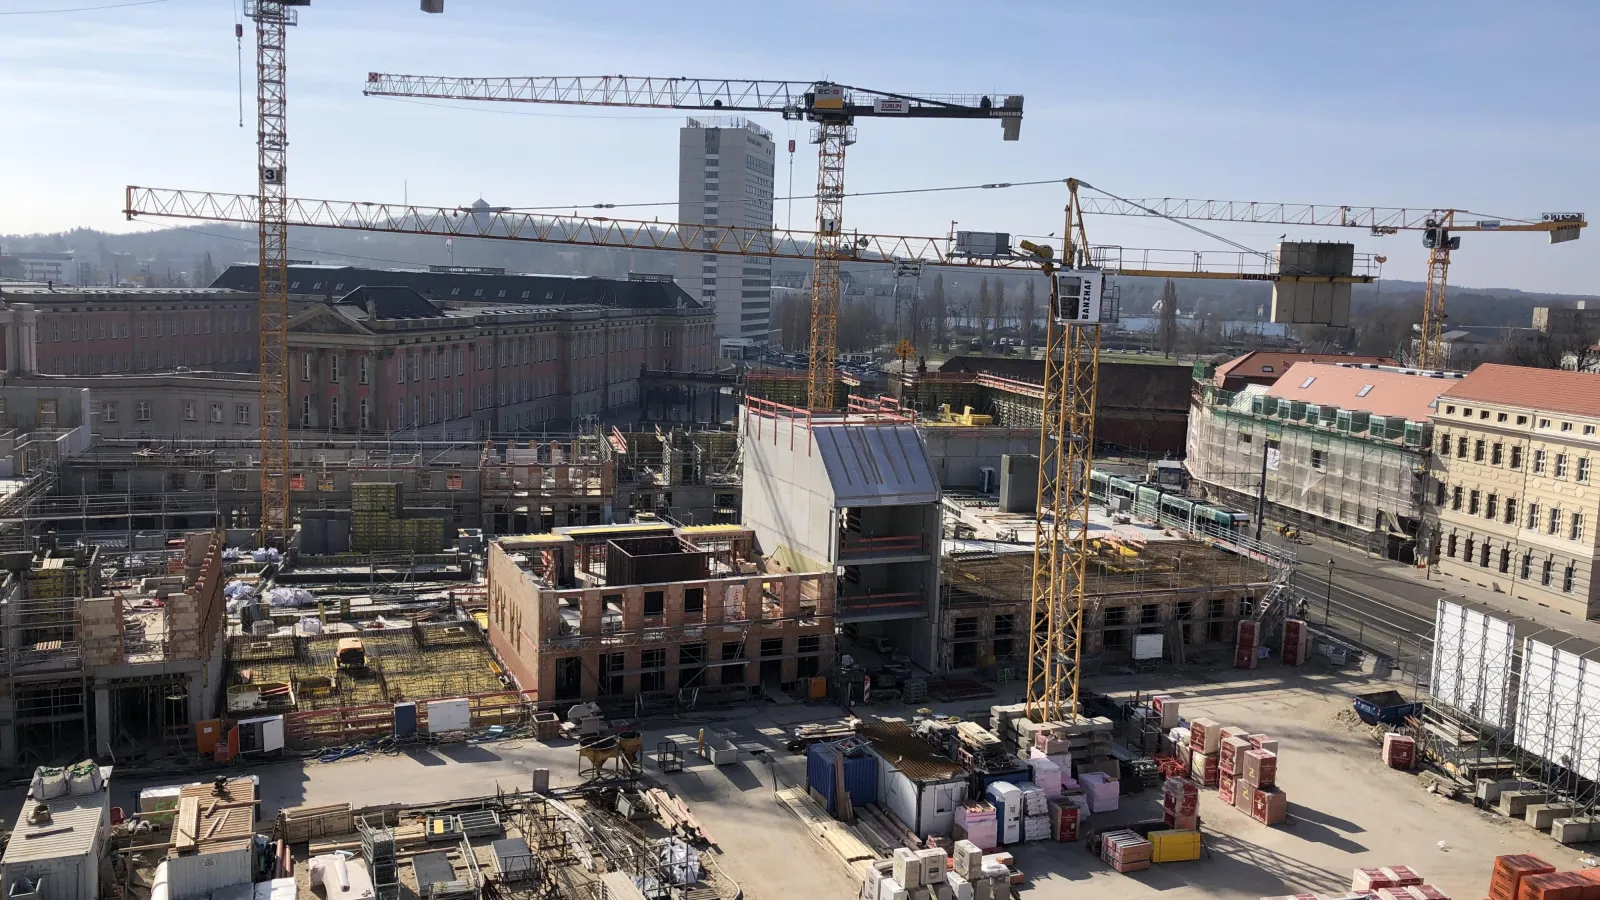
point(1346, 810)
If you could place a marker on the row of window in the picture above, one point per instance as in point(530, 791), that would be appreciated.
point(1483, 555)
point(1544, 424)
point(1476, 503)
point(179, 325)
point(1495, 455)
point(144, 361)
point(110, 411)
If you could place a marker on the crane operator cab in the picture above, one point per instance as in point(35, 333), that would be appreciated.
point(1080, 297)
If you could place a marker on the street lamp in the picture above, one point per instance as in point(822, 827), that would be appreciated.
point(1327, 603)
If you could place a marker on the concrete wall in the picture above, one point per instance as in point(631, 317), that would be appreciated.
point(788, 498)
point(959, 452)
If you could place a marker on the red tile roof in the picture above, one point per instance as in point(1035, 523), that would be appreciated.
point(1387, 393)
point(1271, 364)
point(1545, 390)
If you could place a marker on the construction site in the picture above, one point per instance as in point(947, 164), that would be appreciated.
point(961, 634)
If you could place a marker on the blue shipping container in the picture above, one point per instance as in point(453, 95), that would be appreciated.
point(860, 776)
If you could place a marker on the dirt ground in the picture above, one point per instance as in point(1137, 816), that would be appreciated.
point(1345, 809)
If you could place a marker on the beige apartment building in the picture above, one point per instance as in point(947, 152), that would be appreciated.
point(1515, 484)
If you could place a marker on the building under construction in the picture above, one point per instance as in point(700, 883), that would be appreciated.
point(108, 654)
point(653, 615)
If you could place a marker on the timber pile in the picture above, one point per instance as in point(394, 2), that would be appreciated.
point(835, 835)
point(298, 824)
point(676, 816)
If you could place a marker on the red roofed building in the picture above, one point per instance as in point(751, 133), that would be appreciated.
point(1344, 448)
point(1515, 482)
point(1265, 367)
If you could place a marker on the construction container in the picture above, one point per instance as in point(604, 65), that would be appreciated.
point(1509, 871)
point(860, 776)
point(1174, 846)
point(1399, 751)
point(55, 854)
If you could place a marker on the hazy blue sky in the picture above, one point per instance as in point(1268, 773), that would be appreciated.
point(1487, 106)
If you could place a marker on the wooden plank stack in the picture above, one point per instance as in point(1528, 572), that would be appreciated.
point(298, 824)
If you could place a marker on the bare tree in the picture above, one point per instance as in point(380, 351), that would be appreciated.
point(1027, 313)
point(1169, 318)
point(984, 304)
point(1574, 351)
point(999, 309)
point(938, 313)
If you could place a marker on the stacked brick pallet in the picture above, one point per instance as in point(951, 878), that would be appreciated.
point(1180, 804)
point(1296, 642)
point(1524, 876)
point(1246, 640)
point(1399, 751)
point(1242, 767)
point(1125, 851)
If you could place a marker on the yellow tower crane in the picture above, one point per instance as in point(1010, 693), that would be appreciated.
point(1438, 227)
point(833, 108)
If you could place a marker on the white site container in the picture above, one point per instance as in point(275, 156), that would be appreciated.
point(446, 716)
point(60, 856)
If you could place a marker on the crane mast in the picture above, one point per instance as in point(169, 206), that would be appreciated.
point(833, 107)
point(273, 18)
point(1066, 456)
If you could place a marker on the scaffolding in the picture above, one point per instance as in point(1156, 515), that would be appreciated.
point(1357, 478)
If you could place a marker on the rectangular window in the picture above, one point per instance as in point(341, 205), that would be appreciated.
point(1461, 448)
point(1439, 495)
point(1468, 546)
point(1472, 503)
point(1555, 519)
point(1455, 497)
point(333, 368)
point(363, 369)
point(1491, 507)
point(1477, 450)
point(1497, 454)
point(1533, 516)
point(433, 366)
point(305, 411)
point(461, 362)
point(1583, 469)
point(400, 369)
point(1527, 566)
point(416, 367)
point(189, 414)
point(1450, 547)
point(305, 366)
point(1544, 574)
point(1567, 576)
point(111, 410)
point(333, 412)
point(216, 414)
point(1516, 457)
point(1561, 465)
point(1576, 531)
point(1511, 510)
point(1538, 462)
point(365, 422)
point(141, 411)
point(241, 414)
point(1318, 458)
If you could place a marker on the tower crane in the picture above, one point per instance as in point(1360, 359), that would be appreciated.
point(1080, 299)
point(832, 107)
point(1437, 226)
point(273, 18)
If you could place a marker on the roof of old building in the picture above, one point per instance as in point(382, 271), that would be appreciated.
point(1546, 390)
point(391, 302)
point(1271, 364)
point(1408, 395)
point(490, 286)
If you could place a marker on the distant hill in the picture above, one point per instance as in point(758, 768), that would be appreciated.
point(182, 253)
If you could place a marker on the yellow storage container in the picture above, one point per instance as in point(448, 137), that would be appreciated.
point(1174, 846)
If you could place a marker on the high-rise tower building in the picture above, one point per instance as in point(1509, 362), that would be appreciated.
point(725, 178)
